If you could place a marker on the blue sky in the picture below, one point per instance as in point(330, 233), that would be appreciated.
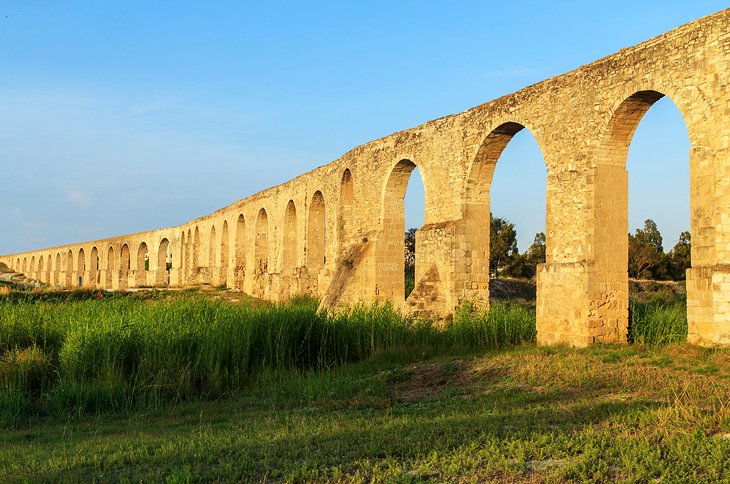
point(119, 117)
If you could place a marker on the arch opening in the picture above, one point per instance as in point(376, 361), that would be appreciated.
point(289, 243)
point(224, 254)
point(142, 265)
point(316, 239)
point(646, 135)
point(69, 268)
point(188, 257)
point(507, 158)
point(110, 268)
point(241, 245)
point(124, 267)
point(393, 251)
point(164, 263)
point(57, 271)
point(261, 253)
point(81, 269)
point(211, 263)
point(344, 217)
point(94, 276)
point(195, 269)
point(41, 273)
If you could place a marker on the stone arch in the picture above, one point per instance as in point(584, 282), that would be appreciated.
point(289, 242)
point(196, 254)
point(24, 267)
point(142, 265)
point(189, 258)
point(57, 271)
point(70, 269)
point(211, 263)
point(609, 291)
point(476, 212)
point(391, 246)
point(162, 275)
point(183, 259)
point(94, 267)
point(32, 268)
point(41, 266)
point(110, 268)
point(240, 253)
point(224, 254)
point(261, 252)
point(81, 269)
point(49, 268)
point(316, 235)
point(344, 216)
point(124, 267)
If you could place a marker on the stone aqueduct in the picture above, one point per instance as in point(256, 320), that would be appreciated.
point(337, 231)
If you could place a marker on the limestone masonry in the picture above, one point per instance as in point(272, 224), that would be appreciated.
point(337, 231)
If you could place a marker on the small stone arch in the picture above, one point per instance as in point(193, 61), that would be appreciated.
point(124, 267)
point(212, 265)
point(69, 268)
point(196, 254)
point(391, 263)
point(344, 216)
point(240, 253)
point(142, 265)
point(164, 263)
point(316, 237)
point(261, 252)
point(57, 270)
point(290, 239)
point(94, 275)
point(189, 258)
point(81, 269)
point(224, 254)
point(40, 269)
point(110, 268)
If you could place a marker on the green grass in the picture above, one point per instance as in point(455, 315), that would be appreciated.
point(518, 415)
point(178, 388)
point(85, 355)
point(658, 320)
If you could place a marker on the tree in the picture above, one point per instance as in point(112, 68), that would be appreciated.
point(645, 251)
point(536, 252)
point(410, 260)
point(502, 244)
point(525, 265)
point(681, 257)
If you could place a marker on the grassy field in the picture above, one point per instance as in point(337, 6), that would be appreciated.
point(282, 393)
point(523, 415)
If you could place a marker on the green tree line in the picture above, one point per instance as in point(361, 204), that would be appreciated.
point(647, 259)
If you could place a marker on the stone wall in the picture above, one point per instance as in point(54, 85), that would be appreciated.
point(337, 231)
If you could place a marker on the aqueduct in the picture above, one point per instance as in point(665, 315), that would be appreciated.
point(337, 231)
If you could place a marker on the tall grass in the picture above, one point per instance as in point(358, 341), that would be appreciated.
point(658, 321)
point(79, 356)
point(505, 324)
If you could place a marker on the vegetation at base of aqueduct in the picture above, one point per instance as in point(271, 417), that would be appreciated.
point(605, 413)
point(119, 353)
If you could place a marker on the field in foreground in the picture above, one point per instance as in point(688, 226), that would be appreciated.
point(178, 388)
point(529, 414)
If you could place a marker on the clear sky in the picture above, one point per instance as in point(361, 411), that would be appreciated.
point(119, 117)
